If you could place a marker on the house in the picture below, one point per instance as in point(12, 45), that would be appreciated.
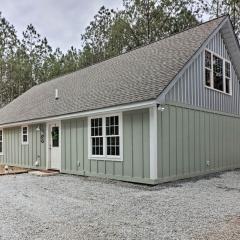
point(165, 111)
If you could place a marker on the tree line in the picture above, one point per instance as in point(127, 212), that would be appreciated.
point(31, 60)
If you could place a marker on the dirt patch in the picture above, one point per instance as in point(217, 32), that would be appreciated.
point(12, 170)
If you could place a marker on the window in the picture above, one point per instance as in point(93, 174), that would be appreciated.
point(25, 135)
point(217, 72)
point(55, 136)
point(105, 137)
point(1, 141)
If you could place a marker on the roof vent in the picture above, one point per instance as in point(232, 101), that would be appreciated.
point(56, 94)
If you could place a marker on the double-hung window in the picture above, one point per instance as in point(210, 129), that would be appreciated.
point(217, 72)
point(25, 135)
point(1, 141)
point(105, 137)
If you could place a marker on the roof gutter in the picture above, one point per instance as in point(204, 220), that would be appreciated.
point(109, 110)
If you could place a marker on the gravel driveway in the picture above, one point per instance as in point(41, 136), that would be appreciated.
point(71, 207)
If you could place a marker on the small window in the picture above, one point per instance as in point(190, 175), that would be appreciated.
point(1, 141)
point(217, 72)
point(25, 135)
point(105, 137)
point(55, 136)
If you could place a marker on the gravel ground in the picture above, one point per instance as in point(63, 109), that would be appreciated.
point(71, 207)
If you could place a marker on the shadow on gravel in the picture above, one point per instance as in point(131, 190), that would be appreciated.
point(158, 187)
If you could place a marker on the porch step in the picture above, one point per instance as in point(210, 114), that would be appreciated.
point(43, 173)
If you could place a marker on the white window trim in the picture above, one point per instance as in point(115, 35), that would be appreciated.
point(211, 71)
point(105, 156)
point(24, 143)
point(1, 153)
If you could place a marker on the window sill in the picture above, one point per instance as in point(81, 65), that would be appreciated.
point(213, 89)
point(113, 159)
point(25, 143)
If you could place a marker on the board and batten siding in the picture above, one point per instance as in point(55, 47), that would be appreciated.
point(135, 165)
point(194, 142)
point(25, 155)
point(190, 87)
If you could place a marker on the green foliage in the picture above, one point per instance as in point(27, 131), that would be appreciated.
point(227, 7)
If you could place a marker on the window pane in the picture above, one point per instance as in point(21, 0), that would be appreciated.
point(208, 59)
point(117, 151)
point(218, 73)
point(24, 138)
point(1, 147)
point(208, 77)
point(227, 85)
point(0, 135)
point(97, 146)
point(55, 136)
point(113, 146)
point(227, 69)
point(24, 130)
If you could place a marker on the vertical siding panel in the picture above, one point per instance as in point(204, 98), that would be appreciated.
point(160, 149)
point(137, 144)
point(80, 139)
point(34, 146)
point(38, 143)
point(207, 140)
point(30, 149)
point(179, 142)
point(172, 146)
point(165, 143)
point(202, 141)
point(63, 148)
point(146, 151)
point(127, 139)
point(68, 145)
point(212, 138)
point(220, 142)
point(197, 142)
point(186, 141)
point(85, 146)
point(191, 141)
point(74, 144)
point(109, 168)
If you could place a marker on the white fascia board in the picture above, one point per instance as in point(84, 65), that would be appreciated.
point(109, 110)
point(161, 98)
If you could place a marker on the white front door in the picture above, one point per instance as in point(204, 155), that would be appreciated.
point(55, 145)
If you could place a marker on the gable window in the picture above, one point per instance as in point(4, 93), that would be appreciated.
point(1, 141)
point(25, 135)
point(217, 72)
point(105, 137)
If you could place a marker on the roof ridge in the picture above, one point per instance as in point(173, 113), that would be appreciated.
point(134, 49)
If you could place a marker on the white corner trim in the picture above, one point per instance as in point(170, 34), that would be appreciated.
point(153, 143)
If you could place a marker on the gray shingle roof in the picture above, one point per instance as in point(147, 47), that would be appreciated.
point(138, 75)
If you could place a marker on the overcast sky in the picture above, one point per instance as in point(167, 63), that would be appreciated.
point(61, 21)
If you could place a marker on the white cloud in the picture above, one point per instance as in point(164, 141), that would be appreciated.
point(61, 21)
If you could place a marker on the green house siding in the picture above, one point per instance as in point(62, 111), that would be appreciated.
point(194, 142)
point(15, 153)
point(135, 164)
